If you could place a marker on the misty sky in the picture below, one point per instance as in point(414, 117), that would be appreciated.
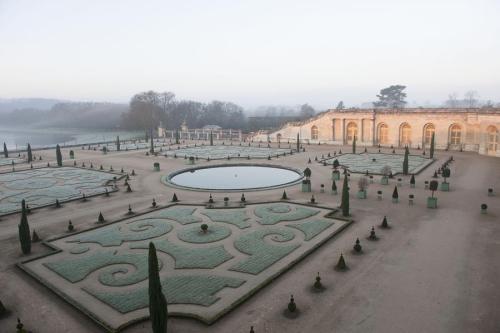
point(250, 52)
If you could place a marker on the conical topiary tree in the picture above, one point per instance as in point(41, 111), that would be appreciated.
point(30, 154)
point(174, 198)
point(412, 180)
point(384, 224)
point(357, 246)
point(354, 145)
point(151, 144)
point(24, 230)
point(5, 151)
point(100, 218)
point(158, 311)
point(298, 142)
point(118, 146)
point(395, 194)
point(58, 156)
point(334, 187)
point(284, 196)
point(345, 198)
point(292, 307)
point(341, 264)
point(405, 161)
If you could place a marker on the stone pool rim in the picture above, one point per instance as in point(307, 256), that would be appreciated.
point(167, 179)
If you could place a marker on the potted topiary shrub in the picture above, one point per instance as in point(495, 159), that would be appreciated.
point(490, 192)
point(431, 201)
point(335, 172)
point(410, 199)
point(191, 160)
point(322, 188)
point(426, 184)
point(156, 166)
point(204, 228)
point(400, 182)
point(104, 150)
point(444, 185)
point(334, 187)
point(379, 195)
point(395, 195)
point(306, 183)
point(362, 186)
point(226, 201)
point(484, 208)
point(386, 172)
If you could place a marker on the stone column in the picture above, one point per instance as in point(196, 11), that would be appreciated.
point(343, 130)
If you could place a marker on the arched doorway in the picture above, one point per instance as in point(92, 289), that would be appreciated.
point(314, 133)
point(455, 135)
point(429, 129)
point(352, 131)
point(383, 134)
point(405, 135)
point(491, 139)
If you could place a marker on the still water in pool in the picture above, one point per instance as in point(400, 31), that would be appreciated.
point(236, 177)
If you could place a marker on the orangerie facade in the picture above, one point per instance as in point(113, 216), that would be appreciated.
point(455, 129)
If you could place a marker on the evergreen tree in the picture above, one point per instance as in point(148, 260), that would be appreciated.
point(298, 142)
point(431, 151)
point(177, 136)
point(395, 194)
point(345, 198)
point(30, 154)
point(118, 143)
point(405, 161)
point(412, 179)
point(158, 311)
point(152, 145)
point(5, 151)
point(58, 155)
point(211, 138)
point(354, 145)
point(24, 230)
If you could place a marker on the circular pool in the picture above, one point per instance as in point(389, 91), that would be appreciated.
point(234, 177)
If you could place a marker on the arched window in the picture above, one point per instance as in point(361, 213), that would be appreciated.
point(314, 133)
point(405, 135)
point(383, 133)
point(492, 138)
point(352, 131)
point(455, 135)
point(429, 129)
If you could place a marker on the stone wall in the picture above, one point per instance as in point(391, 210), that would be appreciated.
point(455, 129)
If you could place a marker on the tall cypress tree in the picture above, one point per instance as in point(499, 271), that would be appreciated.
point(345, 198)
point(431, 152)
point(405, 161)
point(24, 230)
point(211, 138)
point(157, 303)
point(58, 155)
point(354, 145)
point(152, 145)
point(30, 154)
point(298, 142)
point(5, 151)
point(118, 143)
point(177, 136)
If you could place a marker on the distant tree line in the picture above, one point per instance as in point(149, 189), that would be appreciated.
point(148, 109)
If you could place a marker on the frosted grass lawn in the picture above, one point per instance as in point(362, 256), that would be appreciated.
point(374, 162)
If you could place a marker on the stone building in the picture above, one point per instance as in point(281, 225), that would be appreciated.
point(455, 129)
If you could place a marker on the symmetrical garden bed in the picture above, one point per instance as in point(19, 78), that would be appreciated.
point(374, 162)
point(9, 160)
point(225, 151)
point(41, 187)
point(204, 274)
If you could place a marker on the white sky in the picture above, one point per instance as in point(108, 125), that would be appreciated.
point(250, 52)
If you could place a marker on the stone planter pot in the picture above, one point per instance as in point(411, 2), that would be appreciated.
point(322, 188)
point(395, 200)
point(400, 182)
point(412, 185)
point(361, 194)
point(156, 167)
point(426, 185)
point(306, 186)
point(432, 202)
point(445, 187)
point(384, 181)
point(410, 199)
point(335, 175)
point(334, 192)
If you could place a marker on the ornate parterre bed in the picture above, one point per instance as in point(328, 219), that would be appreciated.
point(41, 187)
point(9, 160)
point(374, 162)
point(104, 272)
point(225, 151)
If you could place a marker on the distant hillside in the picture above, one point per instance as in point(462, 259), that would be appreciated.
point(67, 114)
point(11, 104)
